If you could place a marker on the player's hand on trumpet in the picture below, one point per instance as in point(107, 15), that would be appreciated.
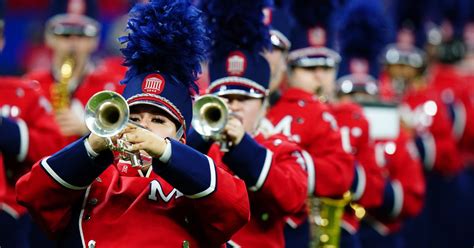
point(141, 139)
point(234, 130)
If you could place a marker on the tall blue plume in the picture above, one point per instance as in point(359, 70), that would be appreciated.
point(470, 12)
point(314, 12)
point(167, 36)
point(283, 4)
point(237, 24)
point(363, 32)
point(363, 29)
point(412, 15)
point(455, 11)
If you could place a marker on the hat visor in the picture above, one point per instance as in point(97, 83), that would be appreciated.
point(314, 62)
point(239, 92)
point(157, 105)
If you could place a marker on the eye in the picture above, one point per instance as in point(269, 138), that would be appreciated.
point(158, 119)
point(135, 118)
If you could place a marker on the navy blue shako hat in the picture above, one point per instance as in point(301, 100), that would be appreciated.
point(165, 46)
point(240, 34)
point(313, 34)
point(364, 31)
point(74, 17)
point(282, 22)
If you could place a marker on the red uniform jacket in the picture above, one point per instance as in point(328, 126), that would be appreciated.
point(273, 170)
point(3, 182)
point(84, 201)
point(300, 116)
point(457, 94)
point(405, 186)
point(102, 78)
point(466, 141)
point(34, 131)
point(423, 111)
point(367, 188)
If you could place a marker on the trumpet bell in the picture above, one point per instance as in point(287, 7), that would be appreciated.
point(210, 114)
point(106, 113)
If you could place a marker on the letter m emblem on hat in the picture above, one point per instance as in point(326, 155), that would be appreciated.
point(153, 83)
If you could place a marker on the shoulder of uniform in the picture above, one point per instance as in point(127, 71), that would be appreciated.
point(19, 82)
point(38, 74)
point(39, 78)
point(280, 141)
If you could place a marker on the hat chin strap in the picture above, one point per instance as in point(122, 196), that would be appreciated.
point(180, 132)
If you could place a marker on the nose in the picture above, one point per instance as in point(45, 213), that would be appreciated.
point(143, 122)
point(234, 105)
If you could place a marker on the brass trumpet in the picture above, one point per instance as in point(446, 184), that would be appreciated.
point(210, 115)
point(107, 114)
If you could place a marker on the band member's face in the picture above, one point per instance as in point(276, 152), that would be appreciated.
point(80, 46)
point(249, 110)
point(313, 77)
point(326, 77)
point(154, 119)
point(402, 72)
point(277, 60)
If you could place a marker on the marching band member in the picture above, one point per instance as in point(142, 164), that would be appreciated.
point(396, 156)
point(298, 111)
point(466, 141)
point(454, 92)
point(282, 23)
point(27, 133)
point(358, 55)
point(270, 165)
point(73, 79)
point(427, 118)
point(85, 196)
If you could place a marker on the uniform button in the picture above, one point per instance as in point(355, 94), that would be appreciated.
point(277, 142)
point(93, 201)
point(20, 92)
point(300, 120)
point(87, 217)
point(301, 103)
point(91, 244)
point(185, 244)
point(98, 180)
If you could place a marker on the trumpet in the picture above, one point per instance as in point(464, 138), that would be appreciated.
point(210, 115)
point(107, 114)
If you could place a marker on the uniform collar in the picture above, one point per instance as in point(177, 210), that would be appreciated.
point(293, 94)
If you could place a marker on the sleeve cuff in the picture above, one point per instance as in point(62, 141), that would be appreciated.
point(311, 172)
point(14, 138)
point(165, 157)
point(460, 120)
point(359, 183)
point(393, 198)
point(90, 151)
point(73, 168)
point(427, 149)
point(250, 161)
point(191, 172)
point(196, 141)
